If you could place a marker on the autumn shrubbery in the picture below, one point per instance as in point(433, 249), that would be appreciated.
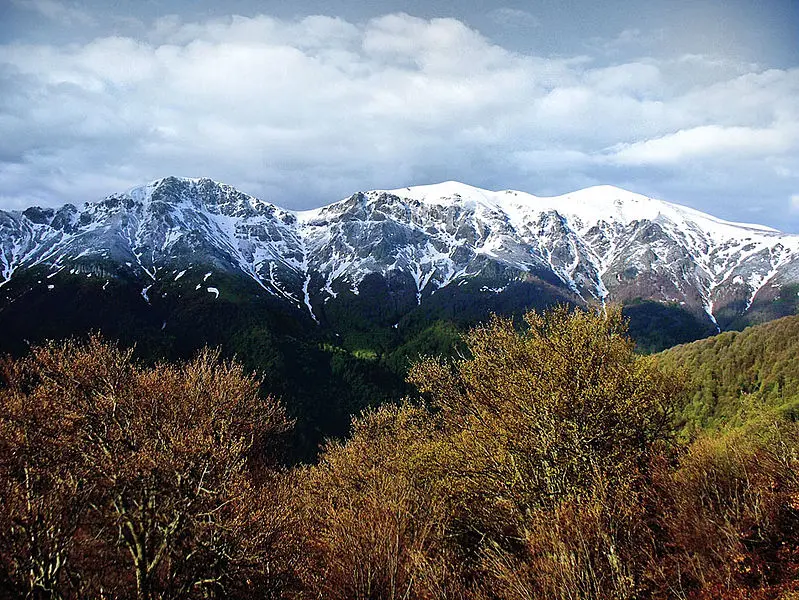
point(733, 512)
point(522, 477)
point(543, 464)
point(125, 481)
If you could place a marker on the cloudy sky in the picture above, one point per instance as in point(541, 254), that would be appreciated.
point(304, 102)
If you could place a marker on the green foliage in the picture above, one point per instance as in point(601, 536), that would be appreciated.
point(442, 338)
point(737, 373)
point(357, 358)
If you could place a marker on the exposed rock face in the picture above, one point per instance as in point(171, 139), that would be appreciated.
point(596, 245)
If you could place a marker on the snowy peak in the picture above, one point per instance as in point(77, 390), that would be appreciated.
point(447, 193)
point(589, 206)
point(197, 193)
point(598, 244)
point(595, 239)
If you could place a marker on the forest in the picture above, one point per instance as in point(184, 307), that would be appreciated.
point(736, 372)
point(545, 461)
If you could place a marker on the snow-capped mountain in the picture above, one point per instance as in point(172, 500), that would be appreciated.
point(595, 245)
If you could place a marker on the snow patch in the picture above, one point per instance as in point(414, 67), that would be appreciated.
point(307, 297)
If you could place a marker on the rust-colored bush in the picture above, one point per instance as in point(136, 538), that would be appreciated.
point(731, 511)
point(377, 512)
point(590, 547)
point(137, 481)
point(533, 418)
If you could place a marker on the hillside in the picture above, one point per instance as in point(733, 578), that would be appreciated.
point(736, 372)
point(332, 305)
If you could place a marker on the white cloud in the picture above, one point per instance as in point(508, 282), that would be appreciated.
point(61, 12)
point(625, 40)
point(795, 202)
point(707, 141)
point(307, 111)
point(636, 78)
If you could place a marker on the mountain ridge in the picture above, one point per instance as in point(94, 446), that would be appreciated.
point(594, 245)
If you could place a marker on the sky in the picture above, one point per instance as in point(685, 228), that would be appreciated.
point(303, 103)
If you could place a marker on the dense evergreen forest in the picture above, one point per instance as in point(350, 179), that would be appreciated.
point(543, 461)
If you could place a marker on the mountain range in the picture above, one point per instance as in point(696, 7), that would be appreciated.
point(331, 305)
point(404, 246)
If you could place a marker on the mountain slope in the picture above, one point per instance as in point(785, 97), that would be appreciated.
point(737, 371)
point(376, 257)
point(601, 243)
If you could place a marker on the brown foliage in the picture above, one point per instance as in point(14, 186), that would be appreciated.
point(549, 427)
point(542, 467)
point(732, 515)
point(535, 418)
point(591, 547)
point(376, 513)
point(143, 469)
